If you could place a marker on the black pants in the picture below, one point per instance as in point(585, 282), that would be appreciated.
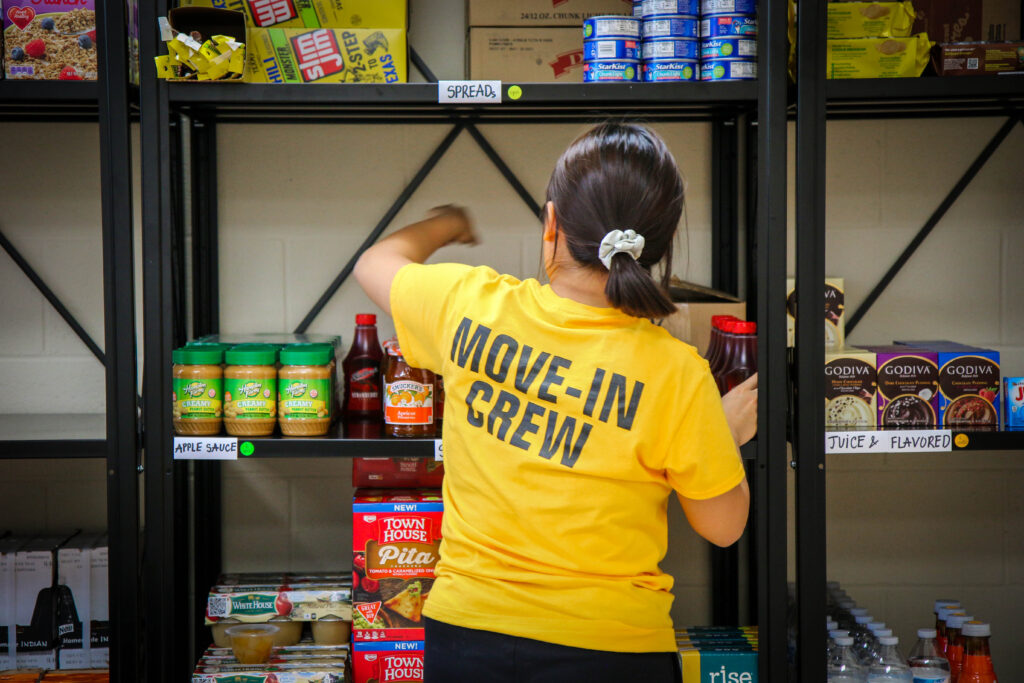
point(462, 655)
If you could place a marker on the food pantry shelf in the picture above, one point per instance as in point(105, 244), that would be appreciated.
point(237, 102)
point(46, 99)
point(925, 97)
point(52, 436)
point(921, 441)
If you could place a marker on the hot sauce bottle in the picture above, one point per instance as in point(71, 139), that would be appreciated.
point(361, 368)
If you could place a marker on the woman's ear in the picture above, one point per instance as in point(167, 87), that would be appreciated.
point(550, 224)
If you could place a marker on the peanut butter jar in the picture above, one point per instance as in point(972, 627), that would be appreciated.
point(198, 388)
point(250, 390)
point(306, 389)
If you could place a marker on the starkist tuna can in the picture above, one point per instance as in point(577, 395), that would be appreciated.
point(728, 26)
point(671, 70)
point(713, 7)
point(671, 48)
point(728, 48)
point(728, 70)
point(638, 8)
point(611, 48)
point(611, 70)
point(670, 26)
point(612, 26)
point(653, 8)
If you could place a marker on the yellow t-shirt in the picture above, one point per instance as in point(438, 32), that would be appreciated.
point(566, 428)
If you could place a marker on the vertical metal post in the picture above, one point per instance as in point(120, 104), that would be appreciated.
point(809, 441)
point(119, 331)
point(164, 636)
point(771, 464)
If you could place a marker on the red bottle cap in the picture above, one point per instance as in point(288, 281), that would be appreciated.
point(366, 319)
point(718, 320)
point(743, 327)
point(729, 325)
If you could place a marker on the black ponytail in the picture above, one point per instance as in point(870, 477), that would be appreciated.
point(621, 177)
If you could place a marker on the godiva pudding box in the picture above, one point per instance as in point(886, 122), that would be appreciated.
point(908, 383)
point(387, 661)
point(835, 312)
point(396, 539)
point(851, 383)
point(968, 384)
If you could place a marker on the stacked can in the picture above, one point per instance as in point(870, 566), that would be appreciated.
point(671, 40)
point(611, 49)
point(728, 40)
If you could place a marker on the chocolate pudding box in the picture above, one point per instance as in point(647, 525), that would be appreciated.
point(908, 386)
point(851, 382)
point(51, 40)
point(968, 384)
point(835, 312)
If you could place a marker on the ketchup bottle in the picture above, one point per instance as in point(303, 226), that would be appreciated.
point(741, 362)
point(361, 368)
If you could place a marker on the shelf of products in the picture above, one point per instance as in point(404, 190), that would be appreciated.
point(925, 97)
point(53, 436)
point(39, 100)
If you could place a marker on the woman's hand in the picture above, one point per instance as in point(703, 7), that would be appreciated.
point(740, 406)
point(414, 243)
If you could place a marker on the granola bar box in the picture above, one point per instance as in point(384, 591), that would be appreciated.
point(51, 40)
point(968, 384)
point(396, 539)
point(387, 661)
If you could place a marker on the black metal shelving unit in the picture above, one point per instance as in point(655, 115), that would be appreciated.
point(112, 436)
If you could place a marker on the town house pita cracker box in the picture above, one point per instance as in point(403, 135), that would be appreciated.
point(326, 55)
point(314, 13)
point(525, 55)
point(387, 661)
point(396, 539)
point(541, 12)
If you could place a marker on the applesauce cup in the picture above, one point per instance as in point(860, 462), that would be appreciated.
point(252, 643)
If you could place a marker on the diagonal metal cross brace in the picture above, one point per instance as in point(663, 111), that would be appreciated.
point(934, 219)
point(48, 294)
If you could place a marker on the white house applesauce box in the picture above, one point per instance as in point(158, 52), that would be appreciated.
point(387, 661)
point(396, 539)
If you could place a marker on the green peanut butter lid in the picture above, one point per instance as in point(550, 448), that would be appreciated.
point(306, 354)
point(197, 355)
point(251, 354)
point(208, 345)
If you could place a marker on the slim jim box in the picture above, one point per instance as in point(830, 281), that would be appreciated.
point(326, 55)
point(396, 539)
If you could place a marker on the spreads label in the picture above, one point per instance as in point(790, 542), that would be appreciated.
point(305, 398)
point(408, 403)
point(197, 399)
point(250, 399)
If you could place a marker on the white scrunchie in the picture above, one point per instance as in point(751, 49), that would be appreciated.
point(620, 241)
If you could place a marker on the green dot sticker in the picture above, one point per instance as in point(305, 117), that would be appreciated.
point(726, 49)
point(247, 448)
point(719, 72)
point(630, 73)
point(514, 92)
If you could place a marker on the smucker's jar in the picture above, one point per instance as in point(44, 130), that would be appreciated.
point(250, 390)
point(306, 389)
point(198, 389)
point(408, 398)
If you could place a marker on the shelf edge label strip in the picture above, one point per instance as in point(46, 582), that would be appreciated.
point(907, 441)
point(469, 92)
point(205, 448)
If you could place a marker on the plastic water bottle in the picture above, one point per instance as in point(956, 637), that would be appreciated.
point(863, 641)
point(875, 647)
point(926, 663)
point(842, 665)
point(889, 666)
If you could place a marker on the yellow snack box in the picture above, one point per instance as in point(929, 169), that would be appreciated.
point(327, 55)
point(878, 57)
point(870, 19)
point(314, 13)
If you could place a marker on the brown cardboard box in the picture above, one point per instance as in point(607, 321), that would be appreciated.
point(960, 21)
point(541, 12)
point(526, 55)
point(694, 307)
point(978, 59)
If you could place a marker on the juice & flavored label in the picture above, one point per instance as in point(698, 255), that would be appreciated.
point(408, 403)
point(197, 399)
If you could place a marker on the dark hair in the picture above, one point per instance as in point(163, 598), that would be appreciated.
point(620, 176)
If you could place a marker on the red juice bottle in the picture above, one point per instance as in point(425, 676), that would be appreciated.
point(715, 343)
point(361, 368)
point(955, 643)
point(742, 362)
point(726, 337)
point(949, 605)
point(977, 663)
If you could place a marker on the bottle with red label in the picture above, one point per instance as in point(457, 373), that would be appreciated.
point(977, 661)
point(740, 356)
point(408, 397)
point(361, 368)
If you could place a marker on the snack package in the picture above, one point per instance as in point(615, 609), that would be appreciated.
point(391, 661)
point(978, 59)
point(870, 19)
point(396, 539)
point(878, 57)
point(908, 386)
point(314, 13)
point(969, 384)
point(708, 664)
point(54, 40)
point(326, 55)
point(202, 44)
point(851, 384)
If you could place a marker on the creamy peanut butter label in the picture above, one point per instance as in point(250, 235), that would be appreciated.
point(304, 398)
point(197, 399)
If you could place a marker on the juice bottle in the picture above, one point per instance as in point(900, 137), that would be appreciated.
point(955, 644)
point(361, 368)
point(715, 343)
point(977, 664)
point(940, 624)
point(742, 361)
